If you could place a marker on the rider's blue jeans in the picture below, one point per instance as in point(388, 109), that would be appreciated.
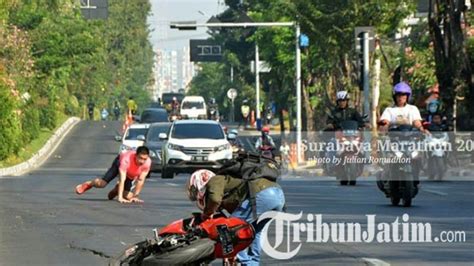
point(266, 200)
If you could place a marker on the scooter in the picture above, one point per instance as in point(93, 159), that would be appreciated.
point(174, 115)
point(399, 180)
point(437, 145)
point(191, 241)
point(350, 141)
point(266, 151)
point(213, 114)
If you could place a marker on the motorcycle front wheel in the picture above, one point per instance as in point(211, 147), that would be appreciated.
point(195, 252)
point(132, 255)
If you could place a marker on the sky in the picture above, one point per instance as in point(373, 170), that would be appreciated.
point(165, 11)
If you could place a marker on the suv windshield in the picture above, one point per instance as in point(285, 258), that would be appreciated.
point(197, 131)
point(154, 132)
point(152, 116)
point(191, 105)
point(133, 133)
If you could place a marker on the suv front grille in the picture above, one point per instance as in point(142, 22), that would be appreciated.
point(198, 151)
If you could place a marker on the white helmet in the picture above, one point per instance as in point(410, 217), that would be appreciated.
point(342, 95)
point(196, 186)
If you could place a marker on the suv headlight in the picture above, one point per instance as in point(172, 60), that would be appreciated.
point(124, 147)
point(152, 154)
point(222, 147)
point(175, 147)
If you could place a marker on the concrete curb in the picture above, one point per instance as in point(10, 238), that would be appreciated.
point(44, 153)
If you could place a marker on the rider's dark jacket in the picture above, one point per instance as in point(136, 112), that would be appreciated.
point(339, 115)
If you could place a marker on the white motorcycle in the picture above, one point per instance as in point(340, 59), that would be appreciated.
point(437, 146)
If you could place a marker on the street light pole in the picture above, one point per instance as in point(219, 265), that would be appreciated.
point(298, 95)
point(257, 83)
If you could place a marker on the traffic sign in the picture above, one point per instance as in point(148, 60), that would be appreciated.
point(205, 51)
point(232, 94)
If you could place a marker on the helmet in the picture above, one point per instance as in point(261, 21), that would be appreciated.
point(266, 129)
point(174, 99)
point(213, 100)
point(342, 95)
point(402, 88)
point(234, 131)
point(196, 186)
point(433, 106)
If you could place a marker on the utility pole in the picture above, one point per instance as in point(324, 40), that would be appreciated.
point(366, 73)
point(257, 85)
point(298, 95)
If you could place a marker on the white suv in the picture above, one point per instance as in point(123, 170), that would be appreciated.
point(192, 145)
point(193, 107)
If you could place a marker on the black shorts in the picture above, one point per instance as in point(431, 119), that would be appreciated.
point(113, 172)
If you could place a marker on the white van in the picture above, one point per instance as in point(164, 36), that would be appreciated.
point(193, 107)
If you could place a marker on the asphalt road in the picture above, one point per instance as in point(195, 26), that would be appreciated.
point(43, 222)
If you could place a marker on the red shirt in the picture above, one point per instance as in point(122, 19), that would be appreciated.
point(128, 163)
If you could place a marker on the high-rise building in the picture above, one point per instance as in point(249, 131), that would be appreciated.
point(173, 70)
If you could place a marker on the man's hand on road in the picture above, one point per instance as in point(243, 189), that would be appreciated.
point(123, 200)
point(137, 200)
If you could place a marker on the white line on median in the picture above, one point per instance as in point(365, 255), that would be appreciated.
point(172, 184)
point(72, 169)
point(375, 262)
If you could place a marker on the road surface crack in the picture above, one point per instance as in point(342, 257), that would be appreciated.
point(95, 252)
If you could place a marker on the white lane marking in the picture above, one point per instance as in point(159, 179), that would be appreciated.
point(375, 262)
point(439, 193)
point(71, 169)
point(172, 184)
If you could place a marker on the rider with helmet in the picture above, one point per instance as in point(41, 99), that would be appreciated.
point(265, 139)
point(213, 192)
point(233, 138)
point(174, 105)
point(343, 112)
point(213, 110)
point(402, 113)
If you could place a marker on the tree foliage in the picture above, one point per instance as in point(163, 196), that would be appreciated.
point(54, 61)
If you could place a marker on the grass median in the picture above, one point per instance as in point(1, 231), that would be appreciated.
point(33, 147)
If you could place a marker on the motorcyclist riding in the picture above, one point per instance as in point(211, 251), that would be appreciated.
point(174, 105)
point(343, 112)
point(116, 110)
point(402, 113)
point(233, 138)
point(265, 139)
point(213, 112)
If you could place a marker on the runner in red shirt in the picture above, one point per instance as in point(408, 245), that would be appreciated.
point(131, 166)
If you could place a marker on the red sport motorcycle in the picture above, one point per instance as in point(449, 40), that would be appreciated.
point(191, 242)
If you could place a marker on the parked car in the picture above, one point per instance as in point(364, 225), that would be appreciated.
point(154, 115)
point(192, 145)
point(133, 137)
point(193, 107)
point(154, 143)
